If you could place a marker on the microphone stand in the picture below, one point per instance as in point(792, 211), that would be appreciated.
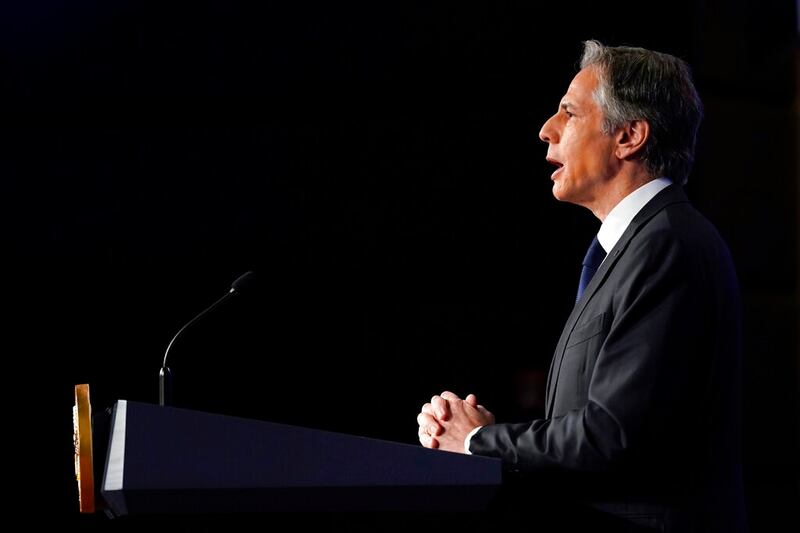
point(165, 374)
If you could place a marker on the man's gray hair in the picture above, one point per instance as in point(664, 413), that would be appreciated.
point(640, 84)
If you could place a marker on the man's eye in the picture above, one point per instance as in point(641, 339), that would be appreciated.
point(570, 115)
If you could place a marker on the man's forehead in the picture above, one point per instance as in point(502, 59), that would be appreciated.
point(581, 87)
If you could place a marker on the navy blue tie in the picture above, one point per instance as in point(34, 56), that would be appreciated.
point(594, 256)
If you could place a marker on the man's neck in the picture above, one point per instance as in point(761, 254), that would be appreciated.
point(617, 189)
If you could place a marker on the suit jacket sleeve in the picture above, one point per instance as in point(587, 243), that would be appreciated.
point(621, 391)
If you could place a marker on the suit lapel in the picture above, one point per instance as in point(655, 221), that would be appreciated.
point(669, 195)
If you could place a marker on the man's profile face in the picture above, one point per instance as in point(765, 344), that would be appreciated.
point(583, 154)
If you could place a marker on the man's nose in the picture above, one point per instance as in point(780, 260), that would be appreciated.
point(548, 132)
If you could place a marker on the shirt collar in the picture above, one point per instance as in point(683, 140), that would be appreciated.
point(619, 218)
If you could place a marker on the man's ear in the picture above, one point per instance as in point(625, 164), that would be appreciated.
point(631, 138)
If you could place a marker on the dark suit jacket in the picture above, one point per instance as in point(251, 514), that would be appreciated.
point(643, 396)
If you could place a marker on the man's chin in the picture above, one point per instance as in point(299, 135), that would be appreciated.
point(563, 196)
point(558, 193)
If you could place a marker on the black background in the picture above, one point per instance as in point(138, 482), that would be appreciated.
point(378, 165)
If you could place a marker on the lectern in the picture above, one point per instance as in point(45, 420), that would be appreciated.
point(172, 460)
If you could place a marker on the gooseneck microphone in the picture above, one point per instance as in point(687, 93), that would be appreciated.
point(165, 375)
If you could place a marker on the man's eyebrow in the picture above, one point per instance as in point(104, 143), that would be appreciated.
point(566, 105)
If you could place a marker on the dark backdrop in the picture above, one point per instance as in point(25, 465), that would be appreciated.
point(378, 165)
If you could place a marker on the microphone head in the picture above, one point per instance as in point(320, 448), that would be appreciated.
point(243, 282)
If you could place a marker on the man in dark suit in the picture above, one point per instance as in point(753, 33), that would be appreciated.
point(643, 396)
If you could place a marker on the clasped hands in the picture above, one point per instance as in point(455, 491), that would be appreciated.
point(446, 421)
